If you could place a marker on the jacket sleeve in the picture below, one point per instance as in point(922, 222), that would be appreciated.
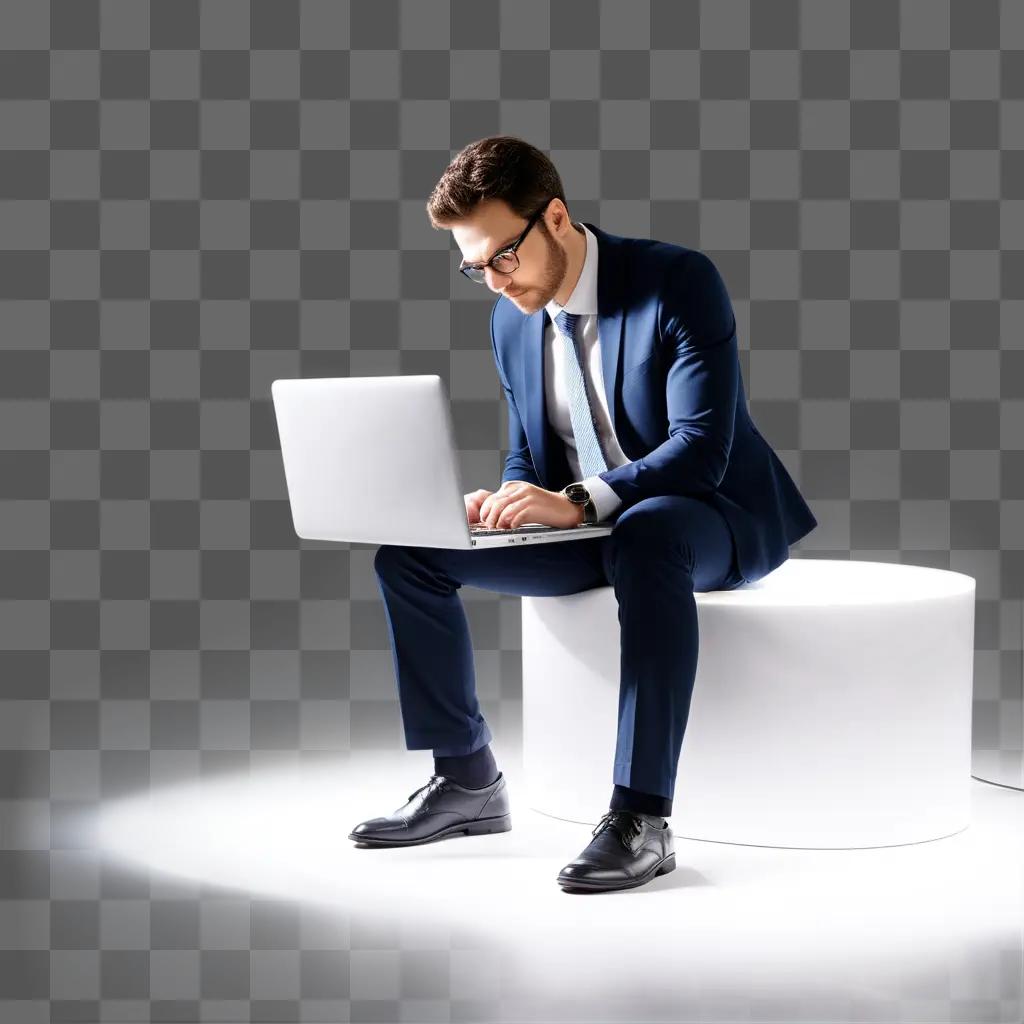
point(698, 336)
point(518, 461)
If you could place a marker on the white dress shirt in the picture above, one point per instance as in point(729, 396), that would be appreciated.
point(583, 301)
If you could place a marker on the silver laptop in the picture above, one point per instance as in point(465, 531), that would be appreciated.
point(373, 460)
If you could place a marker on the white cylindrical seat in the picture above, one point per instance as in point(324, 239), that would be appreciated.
point(831, 707)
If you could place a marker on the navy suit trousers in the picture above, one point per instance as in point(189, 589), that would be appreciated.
point(660, 550)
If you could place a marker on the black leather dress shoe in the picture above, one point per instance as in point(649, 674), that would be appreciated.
point(439, 809)
point(628, 849)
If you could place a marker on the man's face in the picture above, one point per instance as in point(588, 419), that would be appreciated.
point(493, 226)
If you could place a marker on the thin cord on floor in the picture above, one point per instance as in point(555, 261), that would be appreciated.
point(1001, 785)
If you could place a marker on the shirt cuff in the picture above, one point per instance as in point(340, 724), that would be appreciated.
point(606, 501)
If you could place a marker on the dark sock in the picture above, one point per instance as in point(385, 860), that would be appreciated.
point(626, 799)
point(474, 771)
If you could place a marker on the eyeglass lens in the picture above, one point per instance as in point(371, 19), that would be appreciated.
point(503, 263)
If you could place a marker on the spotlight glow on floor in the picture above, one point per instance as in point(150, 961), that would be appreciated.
point(745, 919)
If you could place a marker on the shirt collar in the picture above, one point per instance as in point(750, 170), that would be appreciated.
point(583, 299)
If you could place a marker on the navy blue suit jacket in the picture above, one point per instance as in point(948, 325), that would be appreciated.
point(675, 394)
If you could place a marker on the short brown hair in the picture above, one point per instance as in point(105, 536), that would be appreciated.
point(498, 167)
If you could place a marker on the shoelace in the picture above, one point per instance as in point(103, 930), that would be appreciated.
point(435, 781)
point(628, 825)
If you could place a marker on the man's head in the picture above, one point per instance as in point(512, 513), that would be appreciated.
point(487, 197)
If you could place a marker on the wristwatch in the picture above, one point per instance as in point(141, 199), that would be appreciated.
point(579, 495)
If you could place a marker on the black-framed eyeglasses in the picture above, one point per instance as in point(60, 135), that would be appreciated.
point(505, 261)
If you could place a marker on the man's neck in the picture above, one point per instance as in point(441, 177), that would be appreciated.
point(576, 252)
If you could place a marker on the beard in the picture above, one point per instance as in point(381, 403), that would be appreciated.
point(535, 298)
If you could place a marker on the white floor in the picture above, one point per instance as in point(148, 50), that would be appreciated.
point(928, 932)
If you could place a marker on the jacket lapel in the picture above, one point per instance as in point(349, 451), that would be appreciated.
point(531, 344)
point(610, 313)
point(610, 322)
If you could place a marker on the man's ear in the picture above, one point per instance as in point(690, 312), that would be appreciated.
point(557, 217)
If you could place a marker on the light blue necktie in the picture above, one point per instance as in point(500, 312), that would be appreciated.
point(581, 411)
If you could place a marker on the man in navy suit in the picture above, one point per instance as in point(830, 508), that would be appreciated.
point(618, 360)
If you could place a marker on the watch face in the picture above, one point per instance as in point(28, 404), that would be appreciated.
point(577, 493)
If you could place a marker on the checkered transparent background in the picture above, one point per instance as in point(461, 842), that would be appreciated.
point(198, 198)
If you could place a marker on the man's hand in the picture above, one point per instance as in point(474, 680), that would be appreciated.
point(473, 502)
point(517, 502)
